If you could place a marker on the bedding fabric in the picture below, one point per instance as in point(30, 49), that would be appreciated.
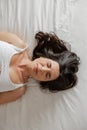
point(37, 109)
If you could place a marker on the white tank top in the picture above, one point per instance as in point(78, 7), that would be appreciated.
point(6, 52)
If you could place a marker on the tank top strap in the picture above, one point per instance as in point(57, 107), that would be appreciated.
point(21, 85)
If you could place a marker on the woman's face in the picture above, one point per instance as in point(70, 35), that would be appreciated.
point(45, 69)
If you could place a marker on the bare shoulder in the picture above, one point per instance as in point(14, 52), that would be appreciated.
point(16, 91)
point(10, 96)
point(13, 38)
point(24, 88)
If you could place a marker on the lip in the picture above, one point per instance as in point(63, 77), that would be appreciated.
point(23, 77)
point(36, 68)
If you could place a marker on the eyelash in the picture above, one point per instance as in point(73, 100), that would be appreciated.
point(47, 75)
point(49, 65)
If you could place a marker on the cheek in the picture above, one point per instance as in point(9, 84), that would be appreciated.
point(41, 61)
point(40, 77)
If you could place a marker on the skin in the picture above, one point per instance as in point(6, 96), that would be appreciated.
point(27, 67)
point(41, 69)
point(10, 96)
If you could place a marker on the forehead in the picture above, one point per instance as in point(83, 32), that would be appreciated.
point(46, 59)
point(54, 70)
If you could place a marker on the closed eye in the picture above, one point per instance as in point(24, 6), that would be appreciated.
point(48, 75)
point(49, 65)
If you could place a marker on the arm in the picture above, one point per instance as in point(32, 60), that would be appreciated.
point(12, 39)
point(10, 96)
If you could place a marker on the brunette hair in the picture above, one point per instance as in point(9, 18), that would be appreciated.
point(49, 45)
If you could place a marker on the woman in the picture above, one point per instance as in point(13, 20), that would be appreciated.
point(52, 64)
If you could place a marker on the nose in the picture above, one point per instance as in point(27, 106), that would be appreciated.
point(44, 69)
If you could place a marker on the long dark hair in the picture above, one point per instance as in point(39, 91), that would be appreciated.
point(50, 46)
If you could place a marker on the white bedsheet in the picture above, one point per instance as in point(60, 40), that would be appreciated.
point(38, 110)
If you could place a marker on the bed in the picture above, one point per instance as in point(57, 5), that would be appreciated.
point(37, 109)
